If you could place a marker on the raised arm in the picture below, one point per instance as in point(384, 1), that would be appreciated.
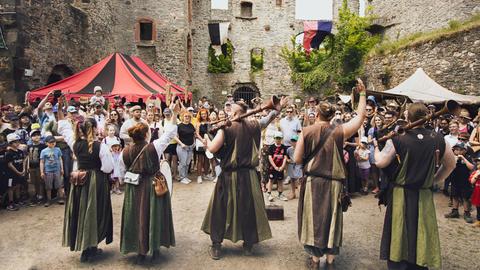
point(265, 121)
point(447, 164)
point(352, 126)
point(164, 140)
point(384, 157)
point(65, 129)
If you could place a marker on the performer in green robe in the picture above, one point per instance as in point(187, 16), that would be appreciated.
point(410, 234)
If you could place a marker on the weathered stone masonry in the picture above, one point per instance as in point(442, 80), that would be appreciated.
point(453, 62)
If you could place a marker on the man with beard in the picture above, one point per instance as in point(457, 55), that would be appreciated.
point(237, 210)
point(135, 113)
point(410, 235)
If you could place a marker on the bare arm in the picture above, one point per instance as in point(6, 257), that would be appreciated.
point(352, 126)
point(469, 165)
point(473, 138)
point(44, 100)
point(214, 145)
point(384, 158)
point(266, 120)
point(447, 164)
point(299, 151)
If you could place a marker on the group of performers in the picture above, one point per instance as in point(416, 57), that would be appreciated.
point(236, 209)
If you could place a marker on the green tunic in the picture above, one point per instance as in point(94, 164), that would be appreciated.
point(236, 210)
point(410, 231)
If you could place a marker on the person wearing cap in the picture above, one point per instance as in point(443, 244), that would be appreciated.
point(228, 108)
point(465, 122)
point(16, 171)
point(277, 157)
point(362, 154)
point(410, 213)
point(51, 170)
point(97, 97)
point(392, 106)
point(461, 187)
point(34, 150)
point(295, 171)
point(135, 117)
point(230, 99)
point(238, 181)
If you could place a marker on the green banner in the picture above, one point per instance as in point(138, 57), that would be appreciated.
point(3, 44)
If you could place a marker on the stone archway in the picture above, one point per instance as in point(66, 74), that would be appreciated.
point(59, 72)
point(247, 92)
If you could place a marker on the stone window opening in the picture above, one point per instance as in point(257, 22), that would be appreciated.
point(220, 58)
point(246, 9)
point(278, 3)
point(256, 59)
point(59, 72)
point(145, 30)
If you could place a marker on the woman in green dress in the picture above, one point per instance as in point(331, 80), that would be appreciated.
point(147, 221)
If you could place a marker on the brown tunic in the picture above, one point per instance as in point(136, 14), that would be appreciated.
point(320, 217)
point(237, 210)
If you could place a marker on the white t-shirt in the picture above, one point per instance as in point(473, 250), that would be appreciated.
point(289, 128)
point(363, 154)
point(451, 139)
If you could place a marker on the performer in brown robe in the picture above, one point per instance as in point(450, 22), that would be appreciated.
point(237, 209)
point(320, 149)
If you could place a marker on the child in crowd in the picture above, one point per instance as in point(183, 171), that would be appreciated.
point(51, 170)
point(97, 98)
point(294, 170)
point(475, 181)
point(16, 170)
point(34, 150)
point(277, 157)
point(362, 155)
point(461, 187)
point(116, 176)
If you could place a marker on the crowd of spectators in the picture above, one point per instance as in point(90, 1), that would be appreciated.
point(35, 161)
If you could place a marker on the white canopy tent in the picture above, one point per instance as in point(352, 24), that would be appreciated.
point(420, 87)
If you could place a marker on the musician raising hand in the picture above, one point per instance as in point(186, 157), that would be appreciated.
point(237, 199)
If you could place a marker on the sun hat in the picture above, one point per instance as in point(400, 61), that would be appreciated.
point(12, 137)
point(97, 88)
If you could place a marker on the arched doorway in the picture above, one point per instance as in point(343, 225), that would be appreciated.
point(59, 72)
point(247, 92)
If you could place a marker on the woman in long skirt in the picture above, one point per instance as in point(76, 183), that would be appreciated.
point(147, 222)
point(88, 212)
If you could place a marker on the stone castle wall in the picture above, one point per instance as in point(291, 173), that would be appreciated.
point(55, 33)
point(270, 28)
point(411, 16)
point(453, 62)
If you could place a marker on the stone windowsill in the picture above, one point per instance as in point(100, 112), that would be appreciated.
point(145, 44)
point(246, 18)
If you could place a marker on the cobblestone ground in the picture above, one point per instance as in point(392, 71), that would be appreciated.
point(31, 239)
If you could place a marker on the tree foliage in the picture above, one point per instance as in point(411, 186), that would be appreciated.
point(220, 63)
point(338, 61)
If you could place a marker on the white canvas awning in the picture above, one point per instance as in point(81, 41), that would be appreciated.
point(420, 87)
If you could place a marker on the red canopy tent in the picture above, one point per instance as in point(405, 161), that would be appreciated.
point(118, 74)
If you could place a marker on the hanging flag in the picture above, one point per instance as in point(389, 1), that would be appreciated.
point(218, 32)
point(314, 33)
point(3, 44)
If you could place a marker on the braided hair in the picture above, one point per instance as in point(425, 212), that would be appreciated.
point(85, 129)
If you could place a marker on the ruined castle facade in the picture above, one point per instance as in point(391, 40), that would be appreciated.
point(48, 40)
